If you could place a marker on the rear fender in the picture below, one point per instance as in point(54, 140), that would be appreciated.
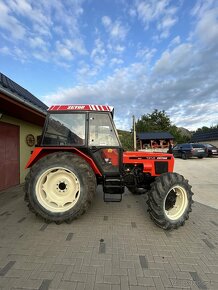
point(40, 152)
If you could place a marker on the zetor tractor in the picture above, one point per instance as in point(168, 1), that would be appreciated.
point(79, 149)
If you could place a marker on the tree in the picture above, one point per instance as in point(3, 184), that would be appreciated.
point(126, 139)
point(206, 129)
point(159, 121)
point(156, 121)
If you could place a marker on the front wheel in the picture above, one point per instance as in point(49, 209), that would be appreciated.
point(60, 187)
point(170, 200)
point(184, 156)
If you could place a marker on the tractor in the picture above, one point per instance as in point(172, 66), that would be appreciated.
point(79, 149)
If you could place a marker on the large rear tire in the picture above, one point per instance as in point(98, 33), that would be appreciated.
point(170, 200)
point(60, 187)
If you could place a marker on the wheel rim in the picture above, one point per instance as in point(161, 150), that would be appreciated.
point(58, 189)
point(176, 202)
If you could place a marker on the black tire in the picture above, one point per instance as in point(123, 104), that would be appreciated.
point(200, 157)
point(72, 167)
point(136, 191)
point(184, 156)
point(162, 198)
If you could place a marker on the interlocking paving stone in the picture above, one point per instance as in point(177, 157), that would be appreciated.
point(133, 224)
point(6, 268)
point(208, 243)
point(21, 220)
point(45, 285)
point(4, 213)
point(199, 283)
point(214, 223)
point(69, 237)
point(102, 248)
point(105, 218)
point(143, 262)
point(43, 227)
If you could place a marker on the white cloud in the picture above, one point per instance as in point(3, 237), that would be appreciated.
point(106, 21)
point(116, 29)
point(161, 12)
point(10, 23)
point(207, 27)
point(33, 26)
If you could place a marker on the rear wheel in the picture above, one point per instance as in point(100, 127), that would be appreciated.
point(60, 187)
point(170, 201)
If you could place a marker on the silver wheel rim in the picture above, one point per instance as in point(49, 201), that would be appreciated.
point(58, 189)
point(175, 202)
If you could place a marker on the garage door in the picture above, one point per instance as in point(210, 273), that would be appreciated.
point(9, 155)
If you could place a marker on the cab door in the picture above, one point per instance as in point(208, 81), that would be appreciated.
point(104, 143)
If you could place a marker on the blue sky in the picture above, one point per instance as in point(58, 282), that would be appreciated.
point(136, 55)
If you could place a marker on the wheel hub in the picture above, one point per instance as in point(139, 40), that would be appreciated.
point(62, 186)
point(176, 202)
point(58, 189)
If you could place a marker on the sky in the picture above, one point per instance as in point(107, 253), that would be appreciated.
point(135, 55)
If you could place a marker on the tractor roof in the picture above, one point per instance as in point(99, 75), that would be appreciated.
point(81, 108)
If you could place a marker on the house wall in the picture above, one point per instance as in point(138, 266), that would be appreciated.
point(25, 150)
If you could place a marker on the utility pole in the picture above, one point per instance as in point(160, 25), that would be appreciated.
point(134, 133)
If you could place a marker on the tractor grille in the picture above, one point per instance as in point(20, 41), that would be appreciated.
point(161, 167)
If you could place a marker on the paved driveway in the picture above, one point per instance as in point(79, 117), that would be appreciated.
point(203, 176)
point(113, 246)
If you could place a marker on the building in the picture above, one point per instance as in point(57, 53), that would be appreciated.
point(22, 116)
point(154, 140)
point(210, 136)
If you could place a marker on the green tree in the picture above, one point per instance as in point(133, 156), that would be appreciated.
point(159, 121)
point(156, 121)
point(126, 139)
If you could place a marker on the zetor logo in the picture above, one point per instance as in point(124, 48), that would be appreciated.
point(75, 107)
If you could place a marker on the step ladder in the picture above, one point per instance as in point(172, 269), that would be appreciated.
point(113, 188)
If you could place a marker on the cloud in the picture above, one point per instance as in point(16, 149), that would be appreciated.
point(10, 24)
point(207, 28)
point(116, 29)
point(33, 27)
point(159, 12)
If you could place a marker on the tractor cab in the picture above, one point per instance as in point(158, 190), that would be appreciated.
point(89, 128)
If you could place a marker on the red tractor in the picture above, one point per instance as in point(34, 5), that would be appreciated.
point(79, 149)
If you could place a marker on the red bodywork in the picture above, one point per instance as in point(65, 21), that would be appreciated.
point(148, 160)
point(40, 152)
point(134, 157)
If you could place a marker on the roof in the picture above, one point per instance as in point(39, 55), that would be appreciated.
point(81, 108)
point(210, 135)
point(7, 85)
point(154, 135)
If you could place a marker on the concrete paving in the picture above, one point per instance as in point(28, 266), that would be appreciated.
point(114, 246)
point(203, 176)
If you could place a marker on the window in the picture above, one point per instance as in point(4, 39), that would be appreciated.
point(65, 130)
point(101, 131)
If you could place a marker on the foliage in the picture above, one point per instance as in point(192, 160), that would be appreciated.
point(159, 121)
point(206, 129)
point(156, 121)
point(126, 139)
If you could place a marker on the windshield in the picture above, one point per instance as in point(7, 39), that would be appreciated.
point(101, 131)
point(197, 146)
point(65, 130)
